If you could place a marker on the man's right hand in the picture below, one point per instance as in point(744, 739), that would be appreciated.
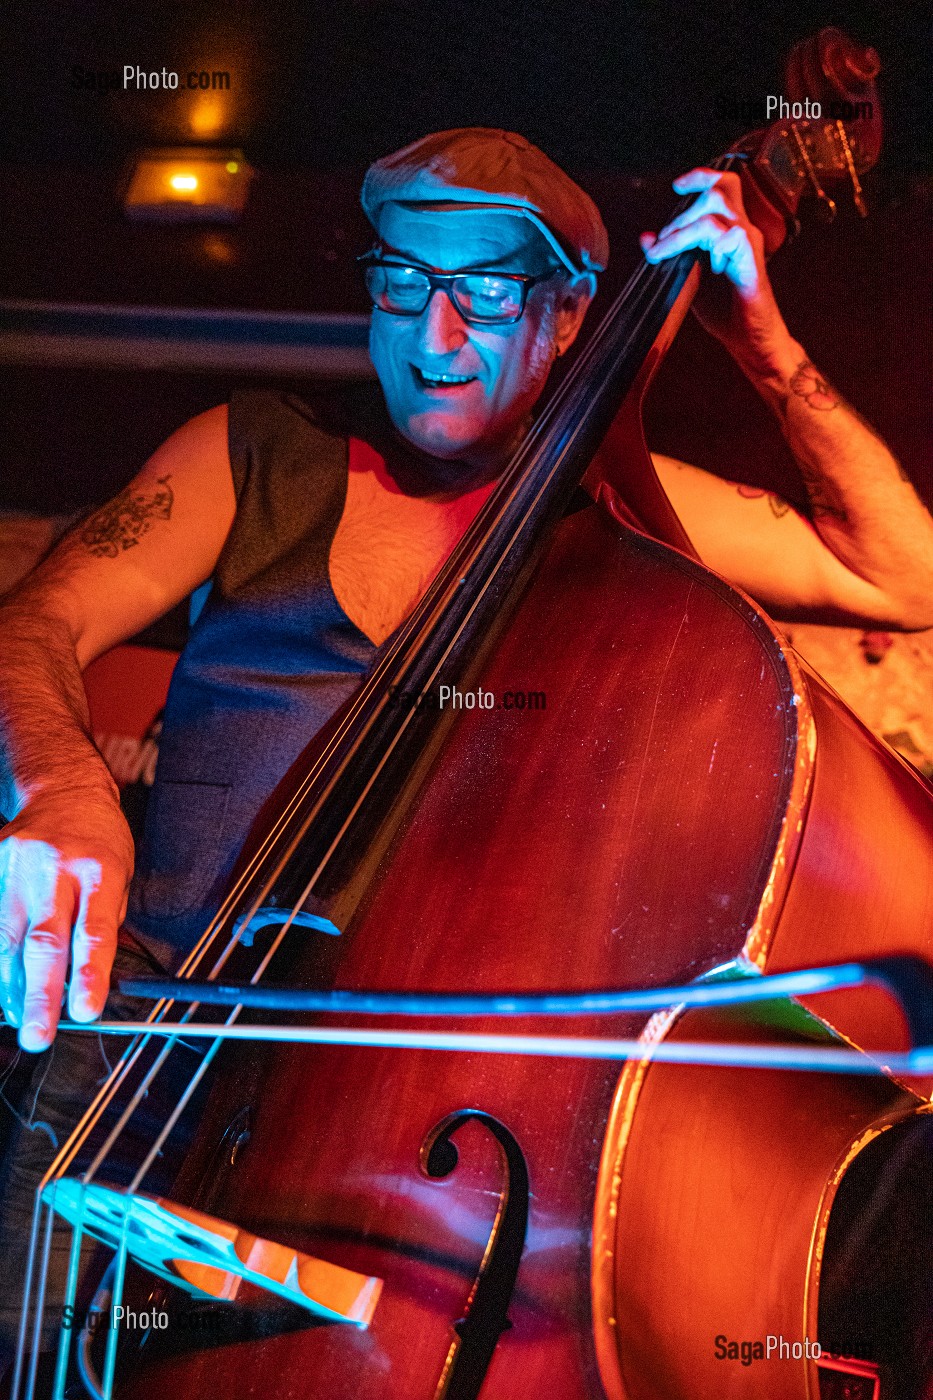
point(65, 866)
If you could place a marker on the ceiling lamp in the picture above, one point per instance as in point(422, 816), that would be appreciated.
point(187, 184)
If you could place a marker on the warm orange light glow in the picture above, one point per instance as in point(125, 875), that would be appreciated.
point(209, 117)
point(188, 183)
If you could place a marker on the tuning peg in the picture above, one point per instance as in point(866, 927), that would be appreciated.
point(825, 207)
point(858, 196)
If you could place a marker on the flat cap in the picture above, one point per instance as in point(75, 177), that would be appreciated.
point(478, 165)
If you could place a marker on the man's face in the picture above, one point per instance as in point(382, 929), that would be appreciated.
point(504, 367)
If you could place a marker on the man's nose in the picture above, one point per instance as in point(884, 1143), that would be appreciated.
point(443, 329)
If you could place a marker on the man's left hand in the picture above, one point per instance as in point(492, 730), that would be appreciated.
point(739, 310)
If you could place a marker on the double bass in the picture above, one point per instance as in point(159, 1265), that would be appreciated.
point(387, 1214)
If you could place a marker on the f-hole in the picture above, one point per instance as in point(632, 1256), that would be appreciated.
point(477, 1333)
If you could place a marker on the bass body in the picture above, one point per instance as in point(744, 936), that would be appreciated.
point(684, 798)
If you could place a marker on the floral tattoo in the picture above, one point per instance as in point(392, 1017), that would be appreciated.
point(808, 384)
point(122, 523)
point(777, 503)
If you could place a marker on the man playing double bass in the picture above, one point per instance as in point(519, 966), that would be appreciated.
point(319, 533)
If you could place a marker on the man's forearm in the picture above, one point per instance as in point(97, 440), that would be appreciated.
point(862, 503)
point(866, 512)
point(45, 743)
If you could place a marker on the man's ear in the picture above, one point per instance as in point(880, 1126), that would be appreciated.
point(573, 298)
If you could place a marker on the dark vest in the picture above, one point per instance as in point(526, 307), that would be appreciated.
point(270, 658)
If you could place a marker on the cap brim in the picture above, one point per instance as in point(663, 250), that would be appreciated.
point(519, 211)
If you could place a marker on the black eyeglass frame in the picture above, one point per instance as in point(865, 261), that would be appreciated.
point(443, 281)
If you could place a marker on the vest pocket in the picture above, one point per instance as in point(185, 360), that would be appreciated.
point(184, 850)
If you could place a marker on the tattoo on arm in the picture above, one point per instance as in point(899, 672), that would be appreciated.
point(808, 384)
point(777, 503)
point(122, 523)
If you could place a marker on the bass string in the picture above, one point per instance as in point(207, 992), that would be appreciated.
point(143, 1088)
point(174, 1036)
point(36, 1280)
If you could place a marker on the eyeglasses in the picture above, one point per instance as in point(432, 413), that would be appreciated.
point(481, 298)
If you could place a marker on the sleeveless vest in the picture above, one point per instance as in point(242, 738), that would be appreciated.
point(270, 658)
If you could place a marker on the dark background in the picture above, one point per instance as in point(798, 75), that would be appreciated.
point(605, 85)
point(625, 95)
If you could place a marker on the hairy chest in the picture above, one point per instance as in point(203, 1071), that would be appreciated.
point(388, 547)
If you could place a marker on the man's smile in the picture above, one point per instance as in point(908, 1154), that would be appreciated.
point(444, 382)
